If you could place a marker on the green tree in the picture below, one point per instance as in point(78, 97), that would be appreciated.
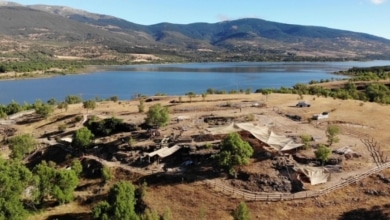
point(77, 167)
point(331, 133)
point(191, 95)
point(13, 108)
point(57, 184)
point(106, 174)
point(66, 182)
point(150, 215)
point(73, 99)
point(378, 92)
point(3, 69)
point(42, 109)
point(241, 212)
point(82, 138)
point(122, 198)
point(204, 95)
point(167, 214)
point(351, 89)
point(305, 138)
point(46, 175)
point(322, 153)
point(210, 91)
point(120, 203)
point(2, 114)
point(21, 145)
point(63, 105)
point(157, 115)
point(89, 104)
point(234, 151)
point(52, 101)
point(15, 178)
point(114, 98)
point(141, 106)
point(266, 93)
point(101, 211)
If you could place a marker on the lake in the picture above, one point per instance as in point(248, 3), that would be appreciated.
point(173, 79)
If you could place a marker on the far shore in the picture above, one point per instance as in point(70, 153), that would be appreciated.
point(40, 74)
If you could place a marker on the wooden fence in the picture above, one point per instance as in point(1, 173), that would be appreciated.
point(259, 196)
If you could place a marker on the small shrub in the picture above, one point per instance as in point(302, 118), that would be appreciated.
point(113, 98)
point(106, 174)
point(208, 145)
point(78, 118)
point(250, 117)
point(131, 142)
point(62, 128)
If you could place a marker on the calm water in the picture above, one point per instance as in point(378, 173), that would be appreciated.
point(173, 79)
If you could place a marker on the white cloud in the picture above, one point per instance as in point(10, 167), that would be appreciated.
point(378, 2)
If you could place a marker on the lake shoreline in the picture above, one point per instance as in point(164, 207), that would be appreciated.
point(104, 81)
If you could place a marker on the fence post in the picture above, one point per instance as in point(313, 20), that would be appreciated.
point(281, 197)
point(267, 197)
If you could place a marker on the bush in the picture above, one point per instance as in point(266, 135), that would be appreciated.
point(114, 98)
point(62, 128)
point(73, 99)
point(106, 174)
point(234, 151)
point(157, 115)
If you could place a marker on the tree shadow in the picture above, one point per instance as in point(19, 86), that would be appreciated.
point(71, 216)
point(376, 212)
point(53, 153)
point(58, 119)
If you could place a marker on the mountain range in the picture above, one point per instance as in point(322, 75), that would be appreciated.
point(63, 31)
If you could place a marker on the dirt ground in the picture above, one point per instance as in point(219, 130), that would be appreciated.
point(359, 122)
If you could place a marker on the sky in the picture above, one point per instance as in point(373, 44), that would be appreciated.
point(366, 16)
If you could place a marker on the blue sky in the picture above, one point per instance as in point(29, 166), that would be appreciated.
point(367, 16)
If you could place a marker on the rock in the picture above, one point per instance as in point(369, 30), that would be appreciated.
point(371, 192)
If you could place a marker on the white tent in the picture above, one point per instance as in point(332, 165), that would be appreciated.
point(67, 139)
point(317, 175)
point(278, 142)
point(165, 151)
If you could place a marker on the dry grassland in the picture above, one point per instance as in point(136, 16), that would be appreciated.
point(194, 200)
